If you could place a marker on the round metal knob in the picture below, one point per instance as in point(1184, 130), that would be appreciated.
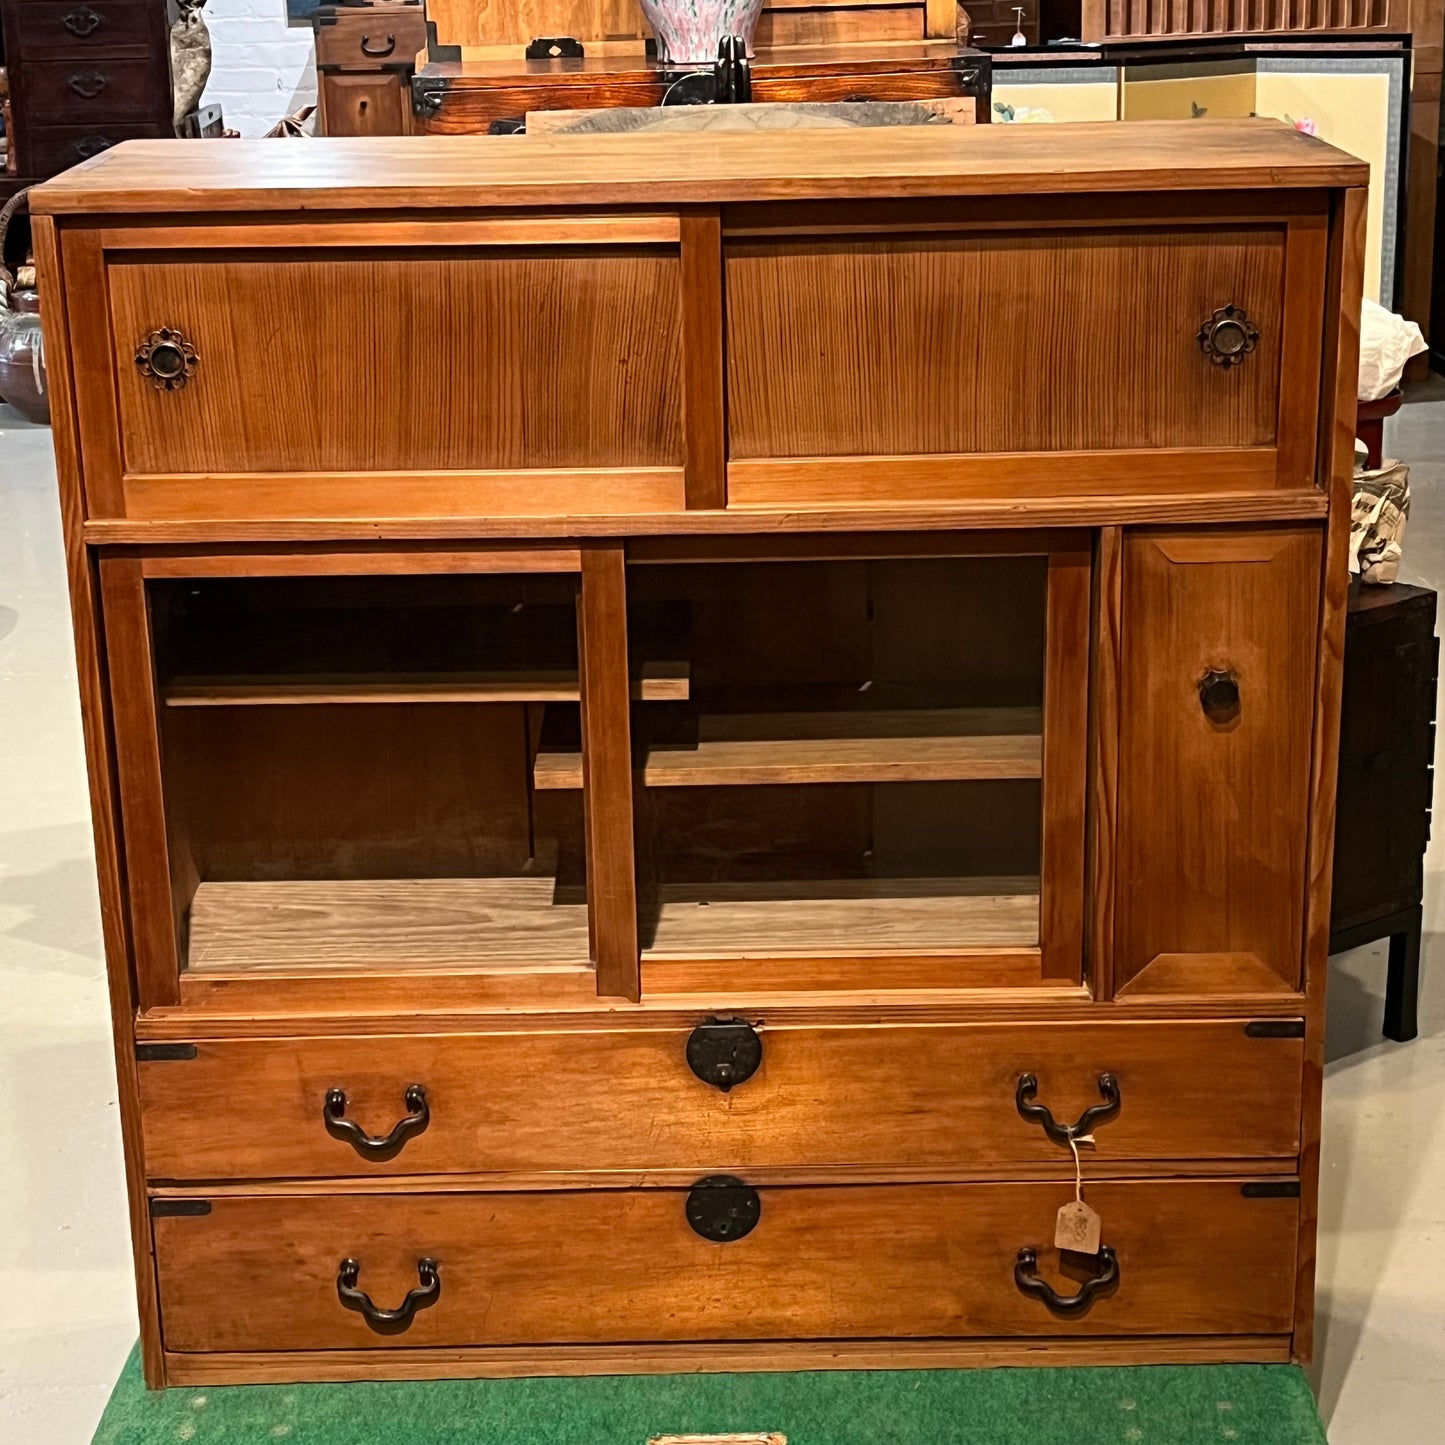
point(722, 1208)
point(724, 1052)
point(1219, 694)
point(1228, 336)
point(166, 359)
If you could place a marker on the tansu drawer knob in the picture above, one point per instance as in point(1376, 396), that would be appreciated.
point(389, 1322)
point(1026, 1276)
point(378, 52)
point(1228, 336)
point(82, 21)
point(369, 1146)
point(724, 1052)
point(166, 359)
point(722, 1208)
point(1219, 695)
point(1094, 1115)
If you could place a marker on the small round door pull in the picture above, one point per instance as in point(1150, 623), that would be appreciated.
point(389, 1322)
point(1219, 695)
point(166, 359)
point(1026, 1276)
point(724, 1052)
point(371, 1146)
point(1087, 1122)
point(722, 1208)
point(1228, 336)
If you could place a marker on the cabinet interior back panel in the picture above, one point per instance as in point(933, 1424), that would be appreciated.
point(411, 360)
point(999, 342)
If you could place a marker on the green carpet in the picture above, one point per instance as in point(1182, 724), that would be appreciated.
point(1149, 1405)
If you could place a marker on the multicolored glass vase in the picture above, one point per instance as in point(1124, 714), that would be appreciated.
point(689, 31)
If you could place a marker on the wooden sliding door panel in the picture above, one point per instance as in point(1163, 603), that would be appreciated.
point(904, 1261)
point(1216, 697)
point(998, 342)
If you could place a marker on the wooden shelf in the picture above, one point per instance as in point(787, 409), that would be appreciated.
point(652, 682)
point(364, 925)
point(918, 745)
point(852, 916)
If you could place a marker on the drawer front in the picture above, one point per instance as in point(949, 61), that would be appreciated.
point(897, 85)
point(473, 110)
point(823, 1263)
point(871, 1097)
point(369, 39)
point(45, 28)
point(362, 103)
point(896, 365)
point(1216, 708)
point(469, 378)
point(54, 148)
point(92, 89)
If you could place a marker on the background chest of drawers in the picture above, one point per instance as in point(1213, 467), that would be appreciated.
point(689, 716)
point(82, 77)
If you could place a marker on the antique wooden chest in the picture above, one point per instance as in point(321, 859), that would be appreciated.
point(678, 726)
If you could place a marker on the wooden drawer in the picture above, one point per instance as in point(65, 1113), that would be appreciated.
point(373, 38)
point(94, 90)
point(880, 1261)
point(86, 28)
point(53, 148)
point(937, 1097)
point(363, 102)
point(957, 362)
point(473, 367)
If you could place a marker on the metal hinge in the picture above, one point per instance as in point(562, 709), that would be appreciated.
point(1275, 1029)
point(173, 1208)
point(1270, 1189)
point(163, 1053)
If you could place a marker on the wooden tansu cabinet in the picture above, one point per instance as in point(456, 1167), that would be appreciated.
point(671, 719)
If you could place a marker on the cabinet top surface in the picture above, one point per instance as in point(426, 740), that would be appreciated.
point(359, 173)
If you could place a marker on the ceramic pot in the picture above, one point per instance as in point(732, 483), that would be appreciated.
point(22, 357)
point(689, 31)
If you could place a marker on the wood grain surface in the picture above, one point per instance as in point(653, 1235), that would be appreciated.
point(895, 1260)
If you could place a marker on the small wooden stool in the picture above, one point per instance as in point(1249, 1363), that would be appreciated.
point(1382, 820)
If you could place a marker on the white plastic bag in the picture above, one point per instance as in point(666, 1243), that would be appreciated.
point(1387, 342)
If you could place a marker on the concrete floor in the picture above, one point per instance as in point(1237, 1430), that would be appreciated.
point(67, 1318)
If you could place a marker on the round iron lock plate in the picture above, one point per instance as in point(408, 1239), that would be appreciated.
point(722, 1208)
point(724, 1052)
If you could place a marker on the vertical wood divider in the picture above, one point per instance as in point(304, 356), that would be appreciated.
point(1104, 758)
point(1065, 764)
point(703, 421)
point(607, 771)
point(154, 903)
point(1336, 454)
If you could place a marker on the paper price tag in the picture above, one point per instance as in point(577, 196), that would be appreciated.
point(1077, 1228)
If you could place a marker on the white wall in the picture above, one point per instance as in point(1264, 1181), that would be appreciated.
point(261, 69)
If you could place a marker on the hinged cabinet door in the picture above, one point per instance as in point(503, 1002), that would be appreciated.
point(1216, 695)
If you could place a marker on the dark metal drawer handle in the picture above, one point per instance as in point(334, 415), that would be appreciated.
point(92, 146)
point(1094, 1115)
point(1219, 695)
point(418, 1115)
point(82, 22)
point(1228, 336)
point(86, 83)
point(379, 52)
point(1027, 1278)
point(389, 1322)
point(724, 1052)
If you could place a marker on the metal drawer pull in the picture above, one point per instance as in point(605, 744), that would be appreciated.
point(92, 146)
point(379, 52)
point(1219, 695)
point(723, 1209)
point(82, 22)
point(166, 359)
point(724, 1052)
point(389, 1322)
point(1027, 1278)
point(418, 1116)
point(1094, 1115)
point(87, 84)
point(1228, 336)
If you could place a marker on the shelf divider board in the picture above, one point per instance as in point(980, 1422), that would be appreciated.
point(654, 681)
point(918, 745)
point(386, 925)
point(607, 770)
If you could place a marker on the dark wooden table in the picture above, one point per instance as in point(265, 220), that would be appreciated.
point(1387, 749)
